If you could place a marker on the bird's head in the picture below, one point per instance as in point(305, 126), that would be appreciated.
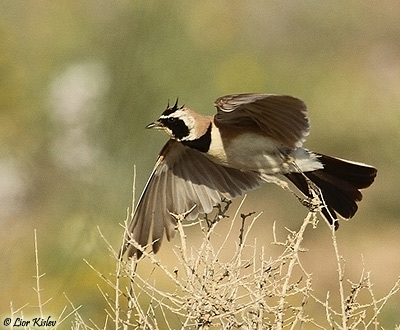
point(178, 122)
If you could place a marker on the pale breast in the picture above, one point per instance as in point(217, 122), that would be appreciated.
point(246, 151)
point(249, 151)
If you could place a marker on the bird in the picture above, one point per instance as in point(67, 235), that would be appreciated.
point(252, 139)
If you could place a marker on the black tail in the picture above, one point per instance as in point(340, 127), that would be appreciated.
point(340, 182)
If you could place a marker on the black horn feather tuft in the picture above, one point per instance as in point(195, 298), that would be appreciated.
point(176, 104)
point(171, 109)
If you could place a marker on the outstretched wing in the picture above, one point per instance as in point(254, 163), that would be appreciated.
point(281, 117)
point(182, 178)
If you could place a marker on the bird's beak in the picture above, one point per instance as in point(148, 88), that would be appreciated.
point(156, 125)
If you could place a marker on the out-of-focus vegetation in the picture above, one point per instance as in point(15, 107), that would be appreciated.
point(80, 79)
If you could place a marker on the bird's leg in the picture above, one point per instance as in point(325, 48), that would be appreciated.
point(284, 185)
point(315, 200)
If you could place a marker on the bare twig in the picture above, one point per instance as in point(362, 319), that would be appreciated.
point(293, 260)
point(340, 271)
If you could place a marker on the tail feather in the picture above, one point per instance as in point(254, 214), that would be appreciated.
point(359, 175)
point(340, 182)
point(341, 200)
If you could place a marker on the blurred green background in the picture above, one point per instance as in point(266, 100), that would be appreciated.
point(79, 80)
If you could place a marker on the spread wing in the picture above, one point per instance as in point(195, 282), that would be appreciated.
point(182, 178)
point(281, 117)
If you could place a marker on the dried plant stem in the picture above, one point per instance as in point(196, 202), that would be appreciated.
point(293, 261)
point(340, 270)
point(232, 222)
point(38, 276)
point(395, 289)
point(117, 295)
point(182, 235)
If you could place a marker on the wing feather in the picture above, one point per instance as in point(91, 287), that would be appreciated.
point(159, 215)
point(183, 177)
point(281, 117)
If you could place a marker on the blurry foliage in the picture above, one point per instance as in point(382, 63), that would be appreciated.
point(80, 79)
